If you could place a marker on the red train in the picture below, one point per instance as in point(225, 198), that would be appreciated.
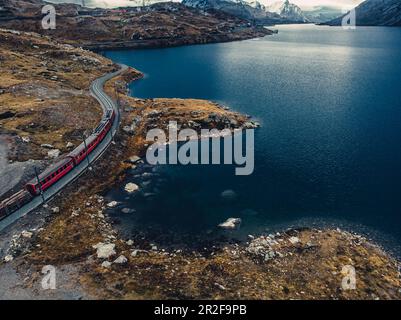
point(59, 169)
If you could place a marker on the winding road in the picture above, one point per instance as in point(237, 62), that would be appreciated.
point(106, 102)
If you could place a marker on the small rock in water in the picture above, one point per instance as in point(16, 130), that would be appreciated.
point(228, 195)
point(149, 194)
point(127, 210)
point(105, 250)
point(146, 183)
point(130, 242)
point(112, 204)
point(231, 224)
point(131, 187)
point(121, 260)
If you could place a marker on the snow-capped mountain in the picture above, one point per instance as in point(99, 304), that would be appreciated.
point(239, 8)
point(288, 11)
point(375, 13)
point(277, 12)
point(256, 5)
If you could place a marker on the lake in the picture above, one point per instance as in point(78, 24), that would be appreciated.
point(329, 148)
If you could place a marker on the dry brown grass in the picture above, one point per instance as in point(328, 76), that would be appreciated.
point(46, 86)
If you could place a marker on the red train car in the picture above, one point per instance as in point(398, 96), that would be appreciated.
point(82, 151)
point(50, 176)
point(13, 203)
point(58, 170)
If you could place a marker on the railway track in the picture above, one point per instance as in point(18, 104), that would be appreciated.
point(107, 103)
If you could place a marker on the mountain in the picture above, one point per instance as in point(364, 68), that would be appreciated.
point(288, 11)
point(375, 13)
point(320, 14)
point(158, 25)
point(251, 11)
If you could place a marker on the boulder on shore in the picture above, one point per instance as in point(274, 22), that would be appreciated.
point(53, 153)
point(105, 250)
point(133, 159)
point(121, 260)
point(8, 258)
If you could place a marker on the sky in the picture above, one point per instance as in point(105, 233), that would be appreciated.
point(304, 4)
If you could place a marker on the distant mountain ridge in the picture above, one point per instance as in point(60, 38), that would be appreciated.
point(238, 8)
point(262, 11)
point(375, 13)
point(288, 11)
point(320, 14)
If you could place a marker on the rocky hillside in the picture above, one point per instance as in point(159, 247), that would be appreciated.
point(158, 25)
point(45, 105)
point(375, 13)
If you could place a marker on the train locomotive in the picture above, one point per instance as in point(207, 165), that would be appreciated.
point(59, 169)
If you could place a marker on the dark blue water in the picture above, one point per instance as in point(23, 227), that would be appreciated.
point(329, 148)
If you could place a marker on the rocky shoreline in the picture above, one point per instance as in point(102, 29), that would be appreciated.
point(167, 43)
point(75, 234)
point(94, 261)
